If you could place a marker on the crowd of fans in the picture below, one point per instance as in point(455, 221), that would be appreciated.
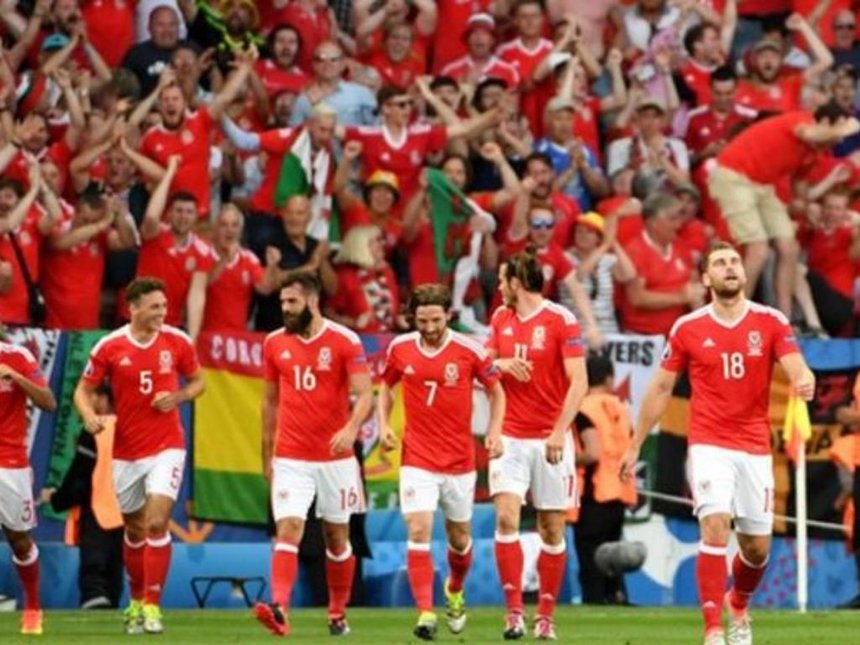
point(218, 144)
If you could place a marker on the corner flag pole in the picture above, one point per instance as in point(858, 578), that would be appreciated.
point(802, 542)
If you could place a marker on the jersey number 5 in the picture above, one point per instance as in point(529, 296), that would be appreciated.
point(305, 379)
point(145, 386)
point(733, 365)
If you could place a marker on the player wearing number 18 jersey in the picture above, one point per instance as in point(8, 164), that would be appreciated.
point(538, 348)
point(436, 368)
point(728, 348)
point(311, 365)
point(143, 362)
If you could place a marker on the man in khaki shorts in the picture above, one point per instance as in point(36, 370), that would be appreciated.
point(745, 180)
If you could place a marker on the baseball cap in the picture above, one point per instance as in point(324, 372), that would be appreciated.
point(592, 220)
point(560, 103)
point(54, 42)
point(480, 21)
point(767, 43)
point(383, 178)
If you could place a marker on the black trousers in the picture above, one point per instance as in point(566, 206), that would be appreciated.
point(101, 572)
point(261, 230)
point(598, 523)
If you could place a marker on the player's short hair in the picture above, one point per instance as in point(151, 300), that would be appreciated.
point(719, 245)
point(429, 295)
point(181, 196)
point(140, 287)
point(830, 112)
point(599, 367)
point(657, 204)
point(525, 267)
point(307, 281)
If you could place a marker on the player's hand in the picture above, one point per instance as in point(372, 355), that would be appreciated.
point(166, 401)
point(343, 440)
point(628, 464)
point(387, 439)
point(519, 368)
point(804, 387)
point(555, 447)
point(6, 372)
point(94, 424)
point(493, 444)
point(267, 471)
point(594, 338)
point(45, 495)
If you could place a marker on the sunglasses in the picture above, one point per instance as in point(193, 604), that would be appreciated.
point(542, 223)
point(328, 59)
point(844, 26)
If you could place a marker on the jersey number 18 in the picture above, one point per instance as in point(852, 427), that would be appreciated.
point(733, 365)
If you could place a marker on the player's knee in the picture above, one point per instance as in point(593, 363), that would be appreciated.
point(336, 537)
point(156, 526)
point(459, 537)
point(21, 544)
point(507, 521)
point(290, 529)
point(419, 533)
point(756, 553)
point(715, 529)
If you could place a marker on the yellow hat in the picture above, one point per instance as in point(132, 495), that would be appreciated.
point(592, 220)
point(383, 178)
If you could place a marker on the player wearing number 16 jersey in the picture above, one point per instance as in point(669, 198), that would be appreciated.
point(143, 362)
point(538, 348)
point(311, 365)
point(436, 368)
point(728, 348)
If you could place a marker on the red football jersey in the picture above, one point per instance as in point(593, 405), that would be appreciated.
point(495, 67)
point(14, 303)
point(704, 126)
point(782, 96)
point(437, 396)
point(730, 368)
point(192, 142)
point(228, 297)
point(161, 258)
point(277, 80)
point(533, 97)
point(546, 337)
point(313, 388)
point(698, 78)
point(58, 153)
point(13, 405)
point(136, 374)
point(448, 41)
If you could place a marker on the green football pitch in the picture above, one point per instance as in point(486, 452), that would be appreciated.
point(622, 626)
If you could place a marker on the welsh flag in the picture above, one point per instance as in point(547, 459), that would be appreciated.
point(797, 428)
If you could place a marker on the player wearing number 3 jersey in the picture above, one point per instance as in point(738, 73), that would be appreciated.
point(311, 365)
point(539, 350)
point(728, 349)
point(143, 362)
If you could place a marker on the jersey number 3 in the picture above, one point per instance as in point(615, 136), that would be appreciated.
point(733, 365)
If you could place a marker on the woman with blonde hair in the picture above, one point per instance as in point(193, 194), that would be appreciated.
point(364, 295)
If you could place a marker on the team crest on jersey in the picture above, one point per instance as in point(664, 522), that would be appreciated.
point(187, 137)
point(754, 343)
point(452, 374)
point(190, 263)
point(324, 359)
point(409, 493)
point(7, 385)
point(416, 158)
point(539, 337)
point(165, 362)
point(283, 495)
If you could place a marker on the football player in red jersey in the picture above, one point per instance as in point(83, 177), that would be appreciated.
point(143, 362)
point(537, 346)
point(20, 380)
point(436, 367)
point(311, 366)
point(728, 349)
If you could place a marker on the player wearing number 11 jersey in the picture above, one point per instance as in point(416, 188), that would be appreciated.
point(310, 367)
point(142, 362)
point(728, 348)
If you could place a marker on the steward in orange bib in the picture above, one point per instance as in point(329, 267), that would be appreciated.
point(846, 453)
point(603, 431)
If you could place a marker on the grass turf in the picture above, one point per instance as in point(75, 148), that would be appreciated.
point(610, 626)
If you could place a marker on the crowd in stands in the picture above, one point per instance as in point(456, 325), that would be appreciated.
point(218, 144)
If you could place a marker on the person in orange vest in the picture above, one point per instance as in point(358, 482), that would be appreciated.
point(849, 415)
point(604, 431)
point(94, 522)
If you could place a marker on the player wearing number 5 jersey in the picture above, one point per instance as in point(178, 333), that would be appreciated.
point(143, 362)
point(20, 380)
point(539, 350)
point(728, 349)
point(436, 368)
point(311, 365)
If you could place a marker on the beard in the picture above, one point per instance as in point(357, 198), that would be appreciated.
point(298, 323)
point(725, 292)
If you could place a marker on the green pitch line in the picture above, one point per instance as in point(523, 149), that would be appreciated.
point(610, 626)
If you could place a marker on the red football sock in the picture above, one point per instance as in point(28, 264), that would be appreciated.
point(132, 556)
point(550, 567)
point(285, 564)
point(746, 579)
point(458, 564)
point(339, 572)
point(711, 575)
point(156, 562)
point(509, 559)
point(419, 566)
point(28, 572)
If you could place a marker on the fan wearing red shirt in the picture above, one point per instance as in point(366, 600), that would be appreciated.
point(20, 382)
point(143, 362)
point(437, 368)
point(706, 53)
point(35, 143)
point(664, 287)
point(188, 134)
point(173, 253)
point(396, 61)
point(280, 73)
point(312, 367)
point(743, 185)
point(728, 350)
point(480, 62)
point(312, 20)
point(449, 40)
point(537, 346)
point(236, 275)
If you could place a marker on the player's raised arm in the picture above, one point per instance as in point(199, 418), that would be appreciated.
point(801, 377)
point(654, 403)
point(574, 369)
point(269, 414)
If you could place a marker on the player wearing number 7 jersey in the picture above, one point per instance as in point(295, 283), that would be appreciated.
point(728, 349)
point(436, 368)
point(143, 362)
point(311, 365)
point(539, 350)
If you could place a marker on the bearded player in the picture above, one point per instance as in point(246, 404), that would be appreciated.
point(311, 366)
point(538, 348)
point(143, 362)
point(436, 368)
point(728, 349)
